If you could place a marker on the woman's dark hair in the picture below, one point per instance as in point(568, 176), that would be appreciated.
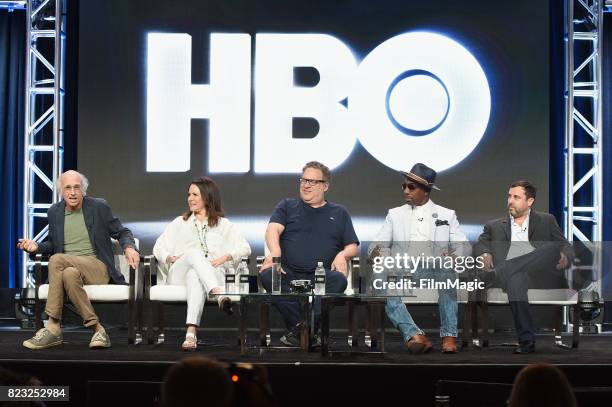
point(211, 197)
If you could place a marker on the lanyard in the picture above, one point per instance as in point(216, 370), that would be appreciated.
point(202, 236)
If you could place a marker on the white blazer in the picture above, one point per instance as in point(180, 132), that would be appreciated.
point(445, 234)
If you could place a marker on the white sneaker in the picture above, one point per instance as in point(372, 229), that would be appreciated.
point(43, 339)
point(100, 340)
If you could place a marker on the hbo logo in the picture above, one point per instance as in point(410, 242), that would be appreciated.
point(418, 96)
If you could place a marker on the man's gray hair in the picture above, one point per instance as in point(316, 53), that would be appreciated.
point(84, 182)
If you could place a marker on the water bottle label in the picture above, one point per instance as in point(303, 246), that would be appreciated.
point(320, 279)
point(230, 278)
point(244, 278)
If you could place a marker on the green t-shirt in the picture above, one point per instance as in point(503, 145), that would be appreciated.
point(76, 237)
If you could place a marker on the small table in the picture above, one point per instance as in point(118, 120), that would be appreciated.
point(264, 300)
point(375, 308)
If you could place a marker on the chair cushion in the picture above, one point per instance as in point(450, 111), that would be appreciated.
point(168, 293)
point(553, 296)
point(96, 293)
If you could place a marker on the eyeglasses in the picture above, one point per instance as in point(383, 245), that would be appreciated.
point(75, 187)
point(311, 182)
point(411, 186)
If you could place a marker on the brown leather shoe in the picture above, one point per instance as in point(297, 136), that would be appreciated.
point(226, 305)
point(418, 344)
point(449, 344)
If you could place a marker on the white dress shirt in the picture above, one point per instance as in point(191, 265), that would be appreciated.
point(519, 245)
point(419, 222)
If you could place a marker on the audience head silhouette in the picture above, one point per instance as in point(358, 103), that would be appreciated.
point(197, 381)
point(542, 385)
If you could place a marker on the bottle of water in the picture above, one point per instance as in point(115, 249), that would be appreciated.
point(319, 279)
point(230, 279)
point(276, 275)
point(243, 276)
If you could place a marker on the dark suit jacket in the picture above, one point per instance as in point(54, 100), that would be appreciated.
point(101, 226)
point(543, 227)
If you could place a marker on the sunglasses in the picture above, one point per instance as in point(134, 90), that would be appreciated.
point(411, 186)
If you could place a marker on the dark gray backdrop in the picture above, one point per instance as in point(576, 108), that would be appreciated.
point(509, 39)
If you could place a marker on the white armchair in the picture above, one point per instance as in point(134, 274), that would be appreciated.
point(157, 293)
point(103, 293)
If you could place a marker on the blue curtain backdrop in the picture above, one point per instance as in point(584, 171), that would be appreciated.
point(557, 109)
point(12, 77)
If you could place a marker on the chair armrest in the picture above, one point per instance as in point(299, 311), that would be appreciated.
point(355, 274)
point(260, 261)
point(39, 259)
point(258, 264)
point(133, 278)
point(149, 264)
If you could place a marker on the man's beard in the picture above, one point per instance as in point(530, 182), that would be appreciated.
point(515, 213)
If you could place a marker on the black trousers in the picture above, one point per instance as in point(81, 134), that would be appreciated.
point(514, 276)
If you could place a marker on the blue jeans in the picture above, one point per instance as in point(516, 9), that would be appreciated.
point(447, 304)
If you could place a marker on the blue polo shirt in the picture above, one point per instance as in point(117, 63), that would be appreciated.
point(312, 234)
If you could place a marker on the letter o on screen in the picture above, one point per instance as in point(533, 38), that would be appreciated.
point(448, 76)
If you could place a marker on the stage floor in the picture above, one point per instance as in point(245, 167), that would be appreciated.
point(141, 367)
point(595, 349)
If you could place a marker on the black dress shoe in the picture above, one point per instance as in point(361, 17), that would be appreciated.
point(525, 347)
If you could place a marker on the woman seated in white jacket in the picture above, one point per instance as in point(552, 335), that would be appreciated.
point(194, 250)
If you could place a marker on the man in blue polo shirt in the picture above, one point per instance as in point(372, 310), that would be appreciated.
point(303, 232)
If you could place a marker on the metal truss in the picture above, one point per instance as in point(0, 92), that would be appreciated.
point(44, 126)
point(583, 214)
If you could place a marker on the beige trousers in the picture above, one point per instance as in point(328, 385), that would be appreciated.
point(68, 274)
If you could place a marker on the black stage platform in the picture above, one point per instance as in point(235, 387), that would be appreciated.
point(129, 373)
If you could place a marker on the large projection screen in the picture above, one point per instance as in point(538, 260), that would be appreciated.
point(248, 91)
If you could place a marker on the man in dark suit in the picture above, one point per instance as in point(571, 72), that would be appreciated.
point(79, 240)
point(522, 248)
